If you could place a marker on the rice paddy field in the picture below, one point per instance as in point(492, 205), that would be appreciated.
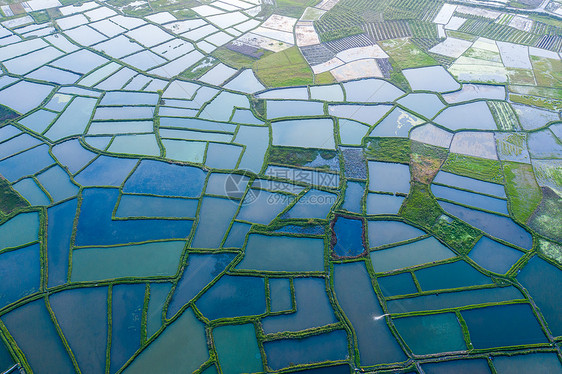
point(267, 186)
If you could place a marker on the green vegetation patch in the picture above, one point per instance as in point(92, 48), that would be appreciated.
point(184, 13)
point(482, 54)
point(398, 78)
point(550, 104)
point(505, 117)
point(420, 206)
point(10, 200)
point(6, 114)
point(340, 33)
point(54, 13)
point(550, 249)
point(546, 20)
point(41, 16)
point(348, 13)
point(131, 8)
point(388, 149)
point(547, 92)
point(425, 30)
point(180, 9)
point(523, 192)
point(285, 68)
point(324, 78)
point(546, 219)
point(258, 105)
point(461, 35)
point(293, 8)
point(456, 233)
point(407, 54)
point(513, 145)
point(299, 157)
point(234, 59)
point(526, 4)
point(70, 2)
point(200, 68)
point(425, 161)
point(520, 76)
point(161, 5)
point(492, 30)
point(548, 72)
point(474, 167)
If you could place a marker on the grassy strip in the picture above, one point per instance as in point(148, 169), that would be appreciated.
point(41, 16)
point(546, 218)
point(235, 59)
point(6, 113)
point(421, 208)
point(546, 92)
point(550, 104)
point(504, 115)
point(548, 72)
point(285, 68)
point(550, 249)
point(407, 54)
point(293, 8)
point(523, 192)
point(258, 108)
point(398, 79)
point(10, 200)
point(474, 167)
point(388, 149)
point(299, 157)
point(324, 78)
point(520, 76)
point(200, 68)
point(340, 33)
point(456, 233)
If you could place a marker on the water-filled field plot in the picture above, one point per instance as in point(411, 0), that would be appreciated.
point(280, 187)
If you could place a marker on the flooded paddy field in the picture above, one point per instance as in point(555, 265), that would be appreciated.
point(243, 187)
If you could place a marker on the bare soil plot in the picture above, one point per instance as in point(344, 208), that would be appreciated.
point(451, 47)
point(367, 68)
point(327, 66)
point(281, 23)
point(306, 35)
point(358, 53)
